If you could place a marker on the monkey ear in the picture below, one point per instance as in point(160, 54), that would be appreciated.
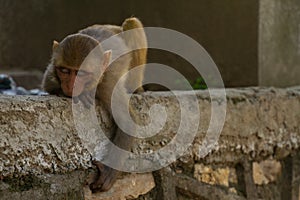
point(106, 59)
point(55, 45)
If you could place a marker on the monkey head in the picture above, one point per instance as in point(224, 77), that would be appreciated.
point(79, 62)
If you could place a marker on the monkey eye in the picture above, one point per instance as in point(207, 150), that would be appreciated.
point(64, 70)
point(82, 73)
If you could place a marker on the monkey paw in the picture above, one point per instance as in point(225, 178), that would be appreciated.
point(106, 178)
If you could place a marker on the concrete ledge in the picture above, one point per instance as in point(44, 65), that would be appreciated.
point(260, 122)
point(38, 137)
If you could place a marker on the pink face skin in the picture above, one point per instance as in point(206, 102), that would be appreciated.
point(67, 78)
point(73, 82)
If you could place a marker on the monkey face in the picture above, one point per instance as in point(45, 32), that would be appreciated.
point(72, 81)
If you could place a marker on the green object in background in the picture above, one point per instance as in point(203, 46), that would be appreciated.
point(199, 84)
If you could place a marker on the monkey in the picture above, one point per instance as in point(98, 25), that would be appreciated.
point(69, 55)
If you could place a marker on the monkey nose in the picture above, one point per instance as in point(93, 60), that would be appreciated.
point(69, 92)
point(70, 87)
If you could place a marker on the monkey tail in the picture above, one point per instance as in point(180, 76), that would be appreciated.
point(136, 40)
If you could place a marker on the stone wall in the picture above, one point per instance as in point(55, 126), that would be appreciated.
point(257, 155)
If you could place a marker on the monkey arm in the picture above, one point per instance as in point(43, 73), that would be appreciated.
point(107, 176)
point(86, 97)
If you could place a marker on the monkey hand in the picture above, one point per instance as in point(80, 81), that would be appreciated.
point(86, 98)
point(106, 177)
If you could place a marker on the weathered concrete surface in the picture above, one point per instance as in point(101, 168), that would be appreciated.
point(38, 136)
point(259, 123)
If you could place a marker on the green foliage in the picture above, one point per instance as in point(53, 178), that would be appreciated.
point(199, 84)
point(183, 84)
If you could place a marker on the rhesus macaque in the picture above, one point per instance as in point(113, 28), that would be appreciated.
point(69, 55)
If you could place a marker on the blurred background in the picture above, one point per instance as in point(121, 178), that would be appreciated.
point(253, 42)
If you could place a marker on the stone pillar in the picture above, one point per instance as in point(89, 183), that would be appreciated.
point(279, 43)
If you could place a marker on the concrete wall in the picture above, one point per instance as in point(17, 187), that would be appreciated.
point(41, 151)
